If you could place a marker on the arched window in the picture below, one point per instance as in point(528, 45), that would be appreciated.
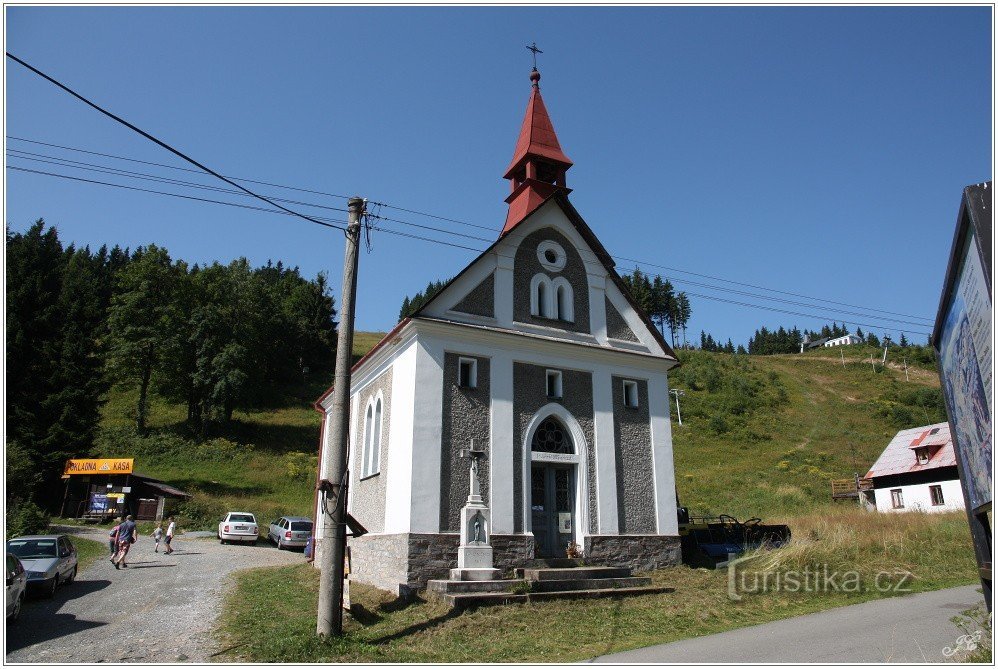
point(541, 296)
point(564, 303)
point(372, 439)
point(552, 437)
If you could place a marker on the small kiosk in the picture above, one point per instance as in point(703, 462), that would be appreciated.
point(105, 488)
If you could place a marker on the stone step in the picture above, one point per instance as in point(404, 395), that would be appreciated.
point(588, 584)
point(442, 586)
point(469, 599)
point(561, 563)
point(575, 573)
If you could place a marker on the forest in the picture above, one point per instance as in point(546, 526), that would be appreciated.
point(215, 338)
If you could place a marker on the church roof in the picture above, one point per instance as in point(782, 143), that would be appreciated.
point(537, 135)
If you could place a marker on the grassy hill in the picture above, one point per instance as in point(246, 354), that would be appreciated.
point(761, 435)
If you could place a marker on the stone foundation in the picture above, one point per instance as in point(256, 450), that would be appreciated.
point(402, 563)
point(640, 552)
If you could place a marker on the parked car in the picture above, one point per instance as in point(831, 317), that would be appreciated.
point(48, 560)
point(238, 526)
point(290, 531)
point(17, 586)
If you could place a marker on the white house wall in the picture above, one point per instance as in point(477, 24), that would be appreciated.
point(918, 497)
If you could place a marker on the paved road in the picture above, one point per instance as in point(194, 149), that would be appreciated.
point(914, 628)
point(160, 609)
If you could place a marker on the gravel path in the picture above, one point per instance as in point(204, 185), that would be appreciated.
point(160, 609)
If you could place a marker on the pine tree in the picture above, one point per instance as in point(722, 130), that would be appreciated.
point(137, 322)
point(903, 342)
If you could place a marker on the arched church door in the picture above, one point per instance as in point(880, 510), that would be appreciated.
point(552, 491)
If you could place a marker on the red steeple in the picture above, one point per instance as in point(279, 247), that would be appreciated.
point(539, 165)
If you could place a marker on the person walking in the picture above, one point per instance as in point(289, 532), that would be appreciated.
point(126, 537)
point(157, 535)
point(112, 541)
point(170, 529)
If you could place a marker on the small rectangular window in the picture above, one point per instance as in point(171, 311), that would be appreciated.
point(897, 501)
point(553, 383)
point(631, 394)
point(922, 454)
point(467, 372)
point(936, 491)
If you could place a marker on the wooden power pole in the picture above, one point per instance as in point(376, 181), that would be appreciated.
point(333, 478)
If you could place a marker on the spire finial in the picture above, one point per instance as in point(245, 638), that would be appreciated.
point(535, 76)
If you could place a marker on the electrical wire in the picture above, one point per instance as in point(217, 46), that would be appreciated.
point(164, 144)
point(174, 167)
point(454, 245)
point(639, 263)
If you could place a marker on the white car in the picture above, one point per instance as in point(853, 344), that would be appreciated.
point(17, 586)
point(238, 526)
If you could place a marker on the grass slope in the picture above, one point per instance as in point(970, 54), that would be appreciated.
point(761, 435)
point(270, 615)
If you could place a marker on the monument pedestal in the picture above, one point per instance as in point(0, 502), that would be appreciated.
point(474, 555)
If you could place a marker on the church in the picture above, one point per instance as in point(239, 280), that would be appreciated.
point(535, 356)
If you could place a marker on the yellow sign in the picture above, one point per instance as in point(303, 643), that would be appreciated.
point(101, 466)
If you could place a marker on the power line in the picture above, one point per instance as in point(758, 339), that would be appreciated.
point(164, 144)
point(175, 167)
point(453, 245)
point(157, 192)
point(76, 164)
point(926, 321)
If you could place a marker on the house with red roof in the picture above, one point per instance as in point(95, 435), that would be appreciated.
point(536, 358)
point(917, 472)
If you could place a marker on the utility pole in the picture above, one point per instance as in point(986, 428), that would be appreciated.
point(843, 355)
point(906, 369)
point(678, 393)
point(333, 479)
point(887, 341)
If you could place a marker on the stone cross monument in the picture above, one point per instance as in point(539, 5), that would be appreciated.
point(474, 555)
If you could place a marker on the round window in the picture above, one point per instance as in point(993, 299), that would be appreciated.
point(551, 256)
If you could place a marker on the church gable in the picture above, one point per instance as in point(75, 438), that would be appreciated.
point(481, 300)
point(616, 326)
point(550, 284)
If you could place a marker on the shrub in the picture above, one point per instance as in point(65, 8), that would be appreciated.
point(25, 518)
point(717, 424)
point(199, 512)
point(300, 466)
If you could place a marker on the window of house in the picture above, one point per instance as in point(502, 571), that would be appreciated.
point(936, 492)
point(897, 501)
point(922, 455)
point(467, 376)
point(553, 383)
point(370, 461)
point(631, 394)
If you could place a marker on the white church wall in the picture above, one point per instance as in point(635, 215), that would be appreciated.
point(426, 436)
point(662, 455)
point(399, 479)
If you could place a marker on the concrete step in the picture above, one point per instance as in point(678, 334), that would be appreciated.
point(575, 573)
point(561, 563)
point(465, 600)
point(588, 584)
point(442, 586)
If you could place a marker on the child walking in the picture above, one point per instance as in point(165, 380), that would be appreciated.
point(157, 534)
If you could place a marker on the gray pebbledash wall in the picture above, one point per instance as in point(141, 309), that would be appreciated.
point(616, 326)
point(367, 501)
point(526, 265)
point(481, 300)
point(632, 453)
point(466, 416)
point(530, 382)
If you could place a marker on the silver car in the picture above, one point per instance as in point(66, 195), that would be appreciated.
point(17, 586)
point(290, 531)
point(48, 560)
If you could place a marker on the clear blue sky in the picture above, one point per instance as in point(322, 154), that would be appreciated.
point(815, 150)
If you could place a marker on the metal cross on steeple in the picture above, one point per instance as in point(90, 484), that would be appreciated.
point(533, 48)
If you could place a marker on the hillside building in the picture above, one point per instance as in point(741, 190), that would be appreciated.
point(536, 355)
point(917, 472)
point(845, 340)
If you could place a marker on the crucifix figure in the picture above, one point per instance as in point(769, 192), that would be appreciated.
point(533, 48)
point(474, 490)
